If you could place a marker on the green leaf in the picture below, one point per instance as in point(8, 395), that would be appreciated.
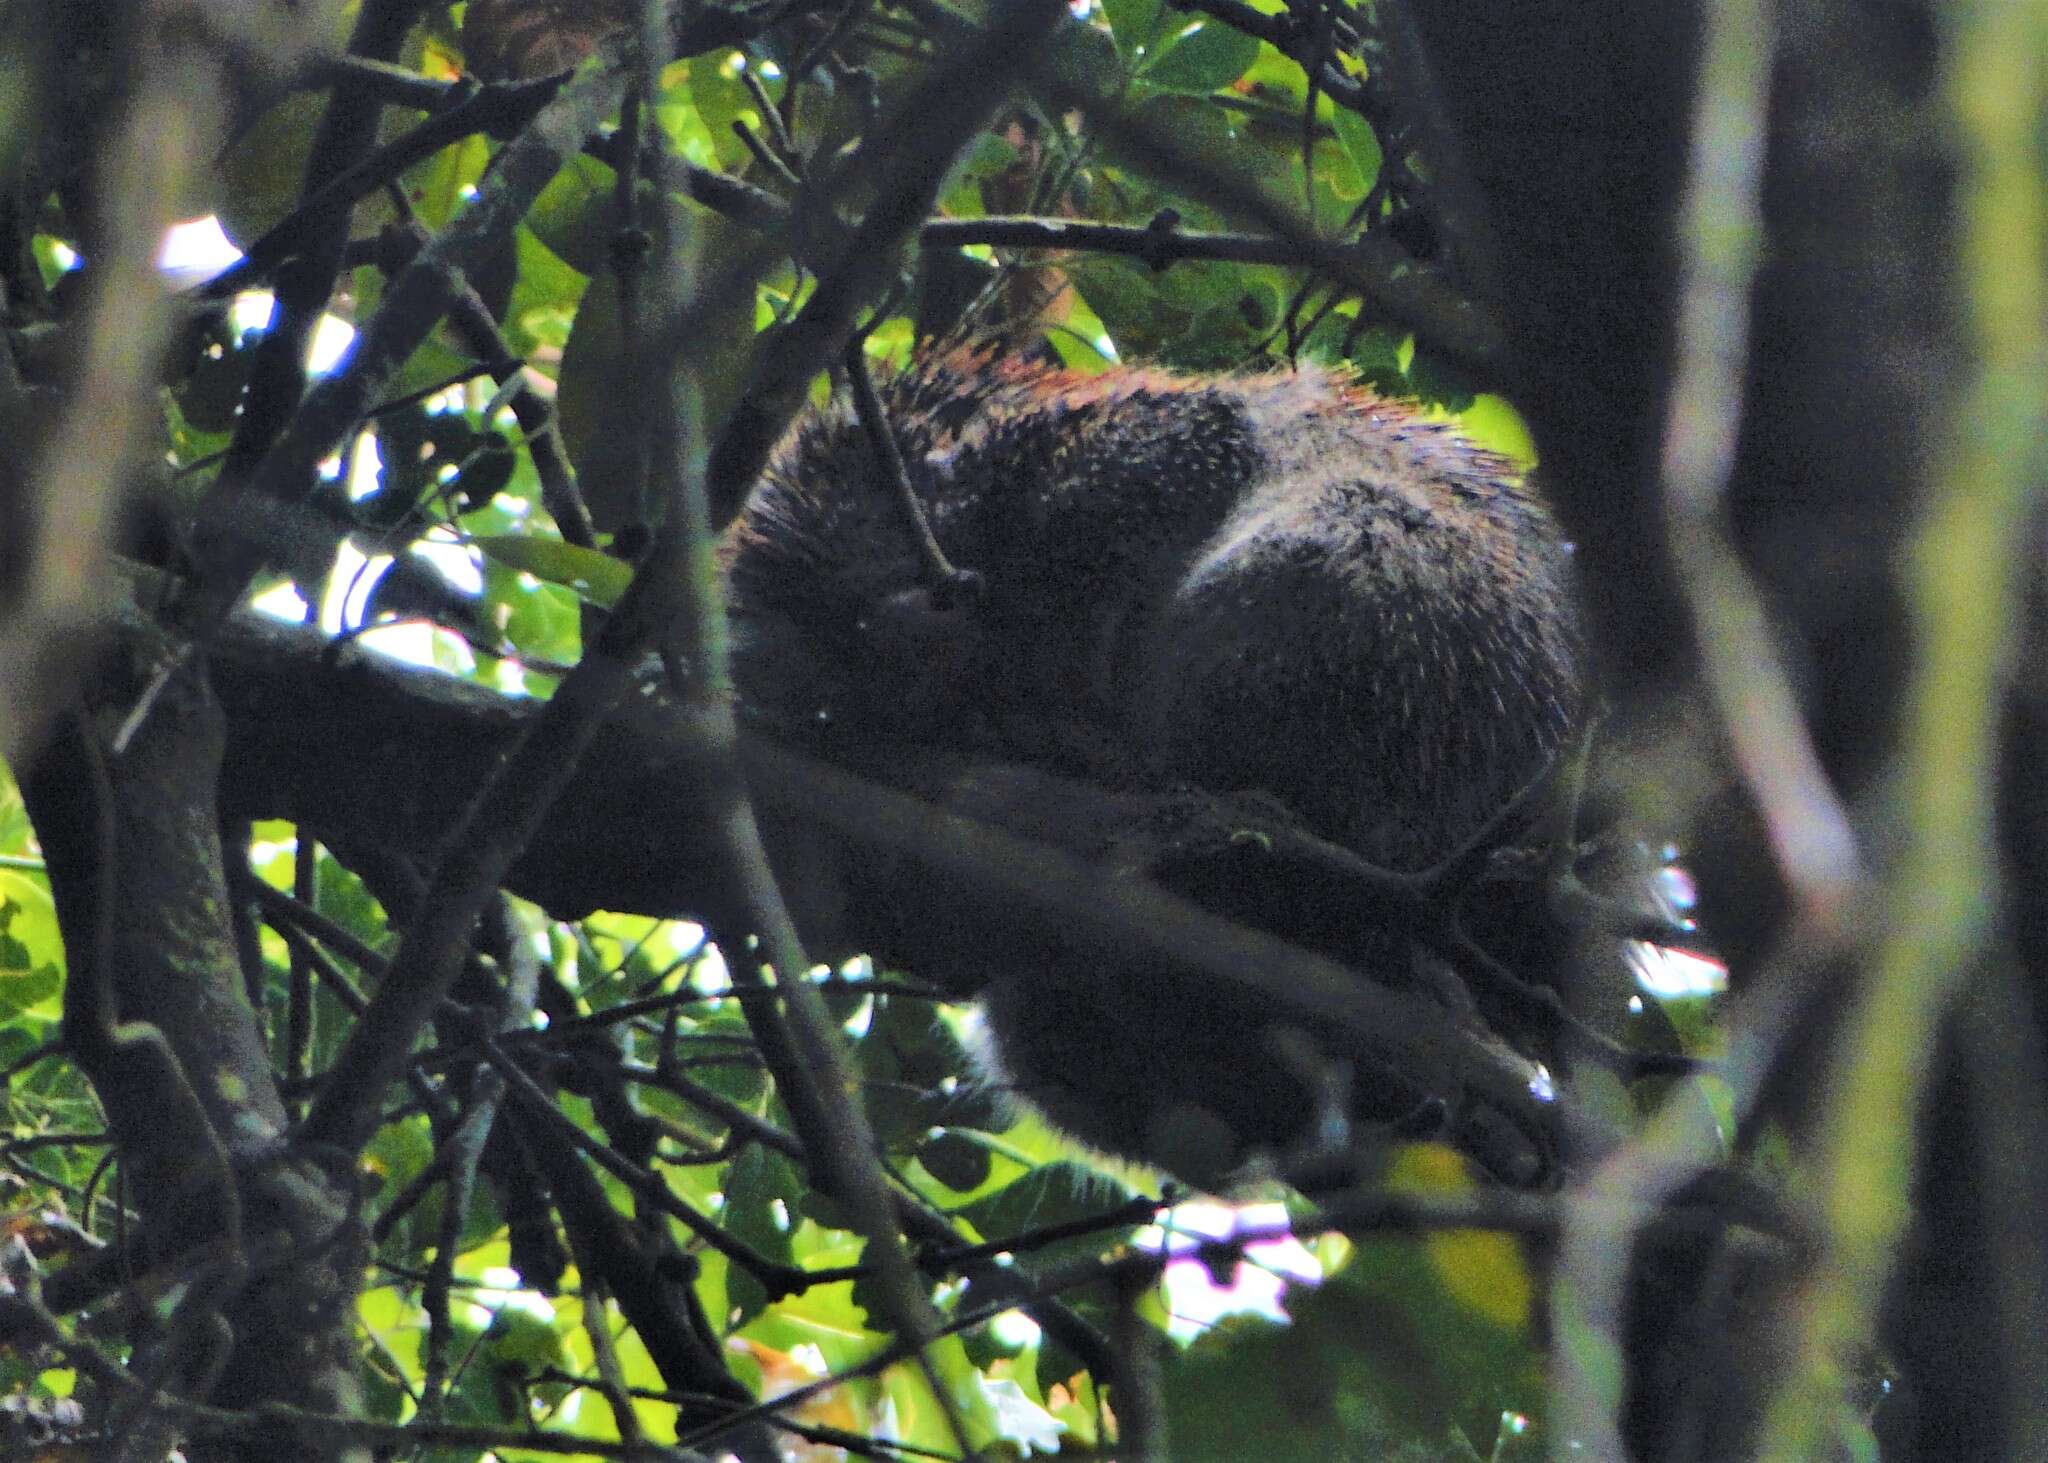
point(743, 1082)
point(824, 1316)
point(587, 573)
point(721, 346)
point(1056, 1194)
point(31, 993)
point(900, 1112)
point(573, 215)
point(1210, 56)
point(537, 619)
point(1201, 284)
point(1440, 383)
point(28, 923)
point(595, 377)
point(262, 170)
point(544, 298)
point(1125, 297)
point(1134, 24)
point(1207, 135)
point(1494, 424)
point(15, 833)
point(1083, 62)
point(761, 1191)
point(1361, 144)
point(440, 187)
point(522, 1340)
point(683, 119)
point(921, 1421)
point(720, 98)
point(1358, 1374)
point(345, 899)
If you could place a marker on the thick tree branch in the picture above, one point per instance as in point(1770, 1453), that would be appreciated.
point(403, 748)
point(486, 839)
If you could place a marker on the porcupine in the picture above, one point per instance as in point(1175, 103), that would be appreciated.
point(1276, 582)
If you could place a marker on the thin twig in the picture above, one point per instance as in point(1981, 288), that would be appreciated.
point(413, 303)
point(937, 570)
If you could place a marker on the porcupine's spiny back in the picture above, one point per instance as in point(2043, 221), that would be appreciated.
point(1269, 582)
point(1429, 658)
point(1266, 581)
point(1066, 493)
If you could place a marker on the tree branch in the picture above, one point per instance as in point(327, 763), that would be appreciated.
point(413, 304)
point(916, 150)
point(948, 893)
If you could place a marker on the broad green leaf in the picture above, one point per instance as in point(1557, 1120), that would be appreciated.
point(1205, 133)
point(1495, 425)
point(573, 215)
point(15, 832)
point(536, 618)
point(396, 1155)
point(1439, 383)
point(345, 899)
point(683, 120)
point(721, 344)
point(440, 186)
point(761, 1190)
point(587, 573)
point(1442, 1321)
point(545, 295)
point(1125, 297)
point(31, 994)
point(1209, 56)
point(1361, 144)
point(920, 1421)
point(595, 378)
point(955, 1161)
point(825, 1316)
point(1358, 1373)
point(1084, 62)
point(1135, 24)
point(523, 1339)
point(719, 98)
point(1200, 284)
point(1048, 1197)
point(262, 171)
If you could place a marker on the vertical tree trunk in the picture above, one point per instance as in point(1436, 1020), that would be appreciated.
point(1569, 124)
point(180, 1060)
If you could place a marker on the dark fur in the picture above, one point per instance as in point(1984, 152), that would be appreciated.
point(1265, 582)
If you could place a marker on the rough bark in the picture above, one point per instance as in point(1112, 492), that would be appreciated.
point(977, 864)
point(157, 1016)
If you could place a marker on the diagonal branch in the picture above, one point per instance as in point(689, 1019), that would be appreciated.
point(909, 159)
point(1022, 865)
point(413, 304)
